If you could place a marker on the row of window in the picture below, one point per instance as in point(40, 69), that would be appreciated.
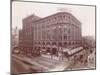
point(50, 21)
point(56, 26)
point(55, 43)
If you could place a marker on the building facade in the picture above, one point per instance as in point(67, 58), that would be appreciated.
point(50, 33)
point(15, 38)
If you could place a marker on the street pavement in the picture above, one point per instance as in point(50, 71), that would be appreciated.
point(18, 66)
point(42, 63)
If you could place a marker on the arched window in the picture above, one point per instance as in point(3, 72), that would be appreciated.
point(43, 43)
point(65, 43)
point(65, 37)
point(60, 44)
point(54, 43)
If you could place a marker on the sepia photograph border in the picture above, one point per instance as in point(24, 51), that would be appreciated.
point(11, 1)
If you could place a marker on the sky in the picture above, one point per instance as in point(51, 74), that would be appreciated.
point(85, 14)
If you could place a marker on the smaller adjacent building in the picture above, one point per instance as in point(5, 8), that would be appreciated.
point(15, 39)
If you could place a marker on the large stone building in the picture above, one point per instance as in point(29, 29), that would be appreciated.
point(50, 33)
